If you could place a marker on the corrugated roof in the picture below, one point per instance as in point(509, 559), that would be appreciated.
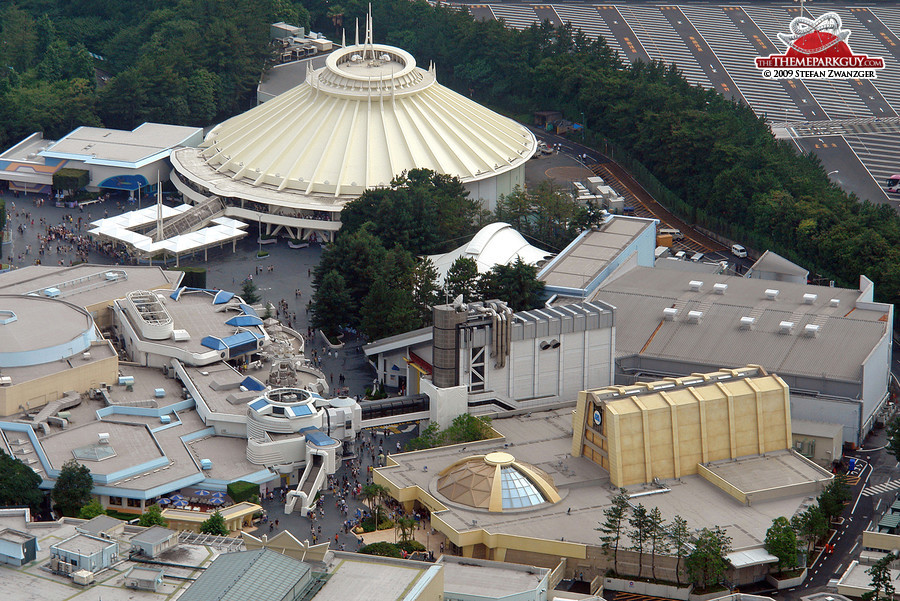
point(153, 535)
point(261, 574)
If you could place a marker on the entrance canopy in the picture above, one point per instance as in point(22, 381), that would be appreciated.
point(124, 182)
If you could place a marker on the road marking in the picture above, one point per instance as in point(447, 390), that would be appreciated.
point(880, 489)
point(839, 568)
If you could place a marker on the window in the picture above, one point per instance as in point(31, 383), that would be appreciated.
point(115, 500)
point(134, 502)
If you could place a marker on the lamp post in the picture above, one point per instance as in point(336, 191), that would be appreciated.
point(583, 126)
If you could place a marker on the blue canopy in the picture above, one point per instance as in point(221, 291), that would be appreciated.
point(124, 182)
point(317, 437)
point(244, 320)
point(222, 297)
point(177, 294)
point(214, 343)
point(251, 383)
point(248, 310)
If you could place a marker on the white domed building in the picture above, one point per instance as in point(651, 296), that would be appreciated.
point(365, 117)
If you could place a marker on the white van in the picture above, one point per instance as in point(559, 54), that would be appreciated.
point(667, 231)
point(697, 257)
point(738, 251)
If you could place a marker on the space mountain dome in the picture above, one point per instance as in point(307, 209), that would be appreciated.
point(368, 115)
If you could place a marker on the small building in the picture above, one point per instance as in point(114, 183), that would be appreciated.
point(261, 574)
point(468, 579)
point(83, 552)
point(103, 526)
point(772, 266)
point(154, 541)
point(144, 578)
point(820, 442)
point(17, 548)
point(236, 517)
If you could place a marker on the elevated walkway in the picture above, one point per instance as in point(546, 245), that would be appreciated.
point(310, 483)
point(198, 216)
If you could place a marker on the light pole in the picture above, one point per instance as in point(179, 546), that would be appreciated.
point(583, 126)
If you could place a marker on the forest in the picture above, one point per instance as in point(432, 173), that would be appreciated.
point(197, 61)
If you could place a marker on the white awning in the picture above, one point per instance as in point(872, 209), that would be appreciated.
point(750, 557)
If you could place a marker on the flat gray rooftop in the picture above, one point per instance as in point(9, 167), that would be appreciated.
point(84, 545)
point(360, 580)
point(847, 334)
point(153, 536)
point(773, 470)
point(33, 313)
point(219, 382)
point(101, 144)
point(132, 444)
point(86, 284)
point(99, 350)
point(493, 581)
point(579, 264)
point(14, 536)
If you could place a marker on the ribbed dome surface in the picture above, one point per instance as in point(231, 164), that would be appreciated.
point(365, 117)
point(496, 482)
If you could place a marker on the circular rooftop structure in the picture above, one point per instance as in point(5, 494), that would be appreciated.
point(21, 316)
point(496, 482)
point(365, 117)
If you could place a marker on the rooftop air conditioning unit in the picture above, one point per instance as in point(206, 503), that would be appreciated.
point(809, 299)
point(720, 288)
point(103, 437)
point(835, 302)
point(86, 355)
point(695, 316)
point(747, 322)
point(811, 330)
point(206, 464)
point(669, 313)
point(771, 293)
point(785, 327)
point(695, 285)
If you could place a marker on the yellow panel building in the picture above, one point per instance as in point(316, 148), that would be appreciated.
point(664, 429)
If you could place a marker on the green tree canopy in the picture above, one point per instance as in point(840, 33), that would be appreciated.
point(152, 516)
point(18, 482)
point(249, 292)
point(833, 498)
point(706, 564)
point(215, 525)
point(781, 541)
point(91, 510)
point(72, 490)
point(615, 521)
point(517, 284)
point(462, 279)
point(882, 580)
point(330, 304)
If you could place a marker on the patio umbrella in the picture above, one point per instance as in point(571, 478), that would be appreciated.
point(201, 493)
point(177, 498)
point(217, 500)
point(164, 501)
point(219, 495)
point(181, 503)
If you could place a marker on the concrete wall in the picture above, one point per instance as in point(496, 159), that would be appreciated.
point(37, 392)
point(847, 412)
point(445, 404)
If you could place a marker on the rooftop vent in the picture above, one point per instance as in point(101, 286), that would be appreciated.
point(835, 302)
point(771, 293)
point(86, 355)
point(695, 316)
point(811, 330)
point(695, 285)
point(103, 437)
point(720, 288)
point(669, 313)
point(747, 322)
point(785, 327)
point(809, 299)
point(206, 464)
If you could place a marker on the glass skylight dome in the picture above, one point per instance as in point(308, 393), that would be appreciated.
point(473, 482)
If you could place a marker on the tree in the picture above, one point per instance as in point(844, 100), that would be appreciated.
point(425, 291)
point(91, 510)
point(330, 303)
point(613, 525)
point(152, 516)
point(781, 541)
point(893, 437)
point(657, 536)
point(215, 525)
point(462, 279)
point(681, 542)
point(18, 482)
point(882, 582)
point(72, 490)
point(833, 498)
point(404, 527)
point(517, 284)
point(249, 292)
point(706, 564)
point(373, 493)
point(387, 310)
point(810, 525)
point(638, 533)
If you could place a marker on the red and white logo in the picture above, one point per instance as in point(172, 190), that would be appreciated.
point(818, 49)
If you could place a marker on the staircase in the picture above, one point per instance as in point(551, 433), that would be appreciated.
point(193, 219)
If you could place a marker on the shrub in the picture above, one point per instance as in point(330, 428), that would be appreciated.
point(383, 549)
point(242, 490)
point(411, 546)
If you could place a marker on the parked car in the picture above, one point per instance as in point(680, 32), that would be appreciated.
point(738, 251)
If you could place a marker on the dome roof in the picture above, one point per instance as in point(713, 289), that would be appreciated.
point(369, 114)
point(496, 482)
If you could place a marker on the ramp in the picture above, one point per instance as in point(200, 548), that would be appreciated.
point(310, 482)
